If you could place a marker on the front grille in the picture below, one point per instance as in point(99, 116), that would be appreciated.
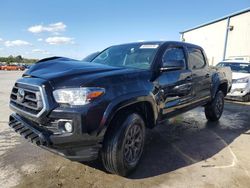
point(27, 99)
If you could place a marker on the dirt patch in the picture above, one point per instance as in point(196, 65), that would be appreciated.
point(61, 172)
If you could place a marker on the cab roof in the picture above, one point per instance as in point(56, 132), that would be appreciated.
point(235, 61)
point(160, 43)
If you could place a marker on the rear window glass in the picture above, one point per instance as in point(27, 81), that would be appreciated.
point(196, 58)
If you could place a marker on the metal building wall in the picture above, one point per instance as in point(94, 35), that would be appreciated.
point(212, 38)
point(239, 38)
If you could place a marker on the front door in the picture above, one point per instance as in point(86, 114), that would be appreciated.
point(175, 86)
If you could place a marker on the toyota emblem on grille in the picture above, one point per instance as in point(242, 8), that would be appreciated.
point(20, 95)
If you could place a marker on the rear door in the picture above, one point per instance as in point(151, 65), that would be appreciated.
point(176, 86)
point(200, 73)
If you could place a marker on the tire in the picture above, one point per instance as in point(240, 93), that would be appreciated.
point(214, 109)
point(123, 144)
point(246, 98)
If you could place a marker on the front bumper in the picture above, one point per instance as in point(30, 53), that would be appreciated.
point(86, 148)
point(238, 91)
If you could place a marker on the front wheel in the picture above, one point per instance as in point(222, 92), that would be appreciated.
point(123, 145)
point(246, 98)
point(214, 109)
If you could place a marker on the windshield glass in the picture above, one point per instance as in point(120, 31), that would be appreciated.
point(129, 55)
point(237, 67)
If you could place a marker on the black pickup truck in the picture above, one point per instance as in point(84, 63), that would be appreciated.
point(85, 110)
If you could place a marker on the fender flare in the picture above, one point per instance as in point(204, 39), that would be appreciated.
point(122, 102)
point(216, 82)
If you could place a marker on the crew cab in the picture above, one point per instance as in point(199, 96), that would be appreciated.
point(241, 79)
point(85, 110)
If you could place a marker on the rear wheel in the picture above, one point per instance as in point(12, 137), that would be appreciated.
point(214, 109)
point(123, 145)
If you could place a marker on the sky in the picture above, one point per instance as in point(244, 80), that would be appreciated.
point(76, 28)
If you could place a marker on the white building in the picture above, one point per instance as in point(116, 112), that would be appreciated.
point(224, 38)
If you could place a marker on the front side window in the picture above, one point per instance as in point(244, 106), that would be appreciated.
point(135, 55)
point(196, 58)
point(173, 54)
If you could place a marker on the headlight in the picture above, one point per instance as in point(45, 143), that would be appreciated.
point(77, 96)
point(242, 80)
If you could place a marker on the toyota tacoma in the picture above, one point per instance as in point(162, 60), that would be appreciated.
point(86, 110)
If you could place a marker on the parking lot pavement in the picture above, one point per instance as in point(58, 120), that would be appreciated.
point(186, 151)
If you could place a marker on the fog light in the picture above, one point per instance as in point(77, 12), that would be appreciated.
point(68, 127)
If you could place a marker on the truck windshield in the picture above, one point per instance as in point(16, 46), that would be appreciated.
point(237, 67)
point(136, 55)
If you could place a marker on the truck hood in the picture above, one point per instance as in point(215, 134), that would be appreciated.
point(238, 75)
point(64, 67)
point(64, 72)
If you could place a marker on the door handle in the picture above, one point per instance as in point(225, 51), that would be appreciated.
point(183, 87)
point(189, 78)
point(182, 90)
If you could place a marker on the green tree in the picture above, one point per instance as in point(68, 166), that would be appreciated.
point(19, 59)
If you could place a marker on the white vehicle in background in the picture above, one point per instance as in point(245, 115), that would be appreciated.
point(241, 79)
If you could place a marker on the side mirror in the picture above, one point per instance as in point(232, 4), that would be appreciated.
point(173, 65)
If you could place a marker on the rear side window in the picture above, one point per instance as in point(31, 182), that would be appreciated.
point(173, 54)
point(196, 58)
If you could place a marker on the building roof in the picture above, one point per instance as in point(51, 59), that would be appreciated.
point(217, 20)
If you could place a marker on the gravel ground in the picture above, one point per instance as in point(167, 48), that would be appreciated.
point(186, 151)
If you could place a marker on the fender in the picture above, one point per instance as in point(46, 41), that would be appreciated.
point(124, 101)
